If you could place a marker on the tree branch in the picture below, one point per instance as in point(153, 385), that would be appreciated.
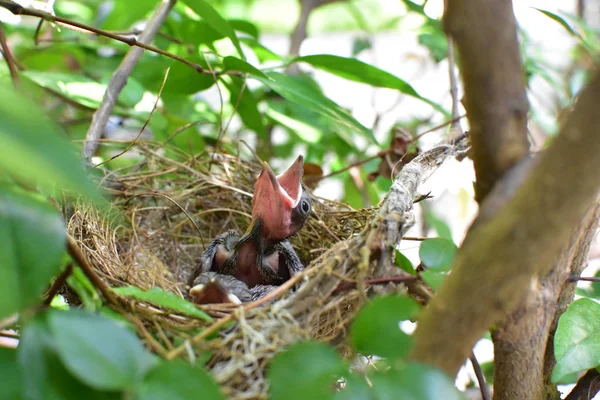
point(119, 79)
point(499, 258)
point(486, 36)
point(571, 263)
point(10, 60)
point(18, 9)
point(587, 387)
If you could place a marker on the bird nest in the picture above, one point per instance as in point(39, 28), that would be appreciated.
point(169, 209)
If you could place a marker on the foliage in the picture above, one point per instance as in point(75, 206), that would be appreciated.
point(577, 341)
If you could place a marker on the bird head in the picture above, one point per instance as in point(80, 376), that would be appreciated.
point(280, 203)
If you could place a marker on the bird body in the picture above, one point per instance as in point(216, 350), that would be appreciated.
point(263, 257)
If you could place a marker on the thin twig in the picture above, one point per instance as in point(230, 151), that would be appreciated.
point(584, 278)
point(58, 284)
point(382, 153)
point(483, 386)
point(119, 78)
point(344, 286)
point(10, 60)
point(132, 142)
point(453, 86)
point(587, 387)
point(17, 9)
point(76, 253)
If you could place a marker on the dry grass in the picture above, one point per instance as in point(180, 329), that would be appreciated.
point(168, 209)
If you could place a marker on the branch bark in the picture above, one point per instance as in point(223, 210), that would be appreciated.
point(499, 259)
point(486, 36)
point(119, 79)
point(587, 387)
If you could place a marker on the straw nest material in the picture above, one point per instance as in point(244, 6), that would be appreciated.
point(171, 207)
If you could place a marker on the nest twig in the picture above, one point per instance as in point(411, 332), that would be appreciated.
point(172, 205)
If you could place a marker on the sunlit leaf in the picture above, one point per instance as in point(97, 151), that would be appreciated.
point(34, 151)
point(244, 102)
point(297, 92)
point(307, 370)
point(305, 131)
point(98, 351)
point(216, 21)
point(437, 253)
point(262, 53)
point(164, 299)
point(245, 26)
point(32, 240)
point(358, 71)
point(375, 329)
point(123, 15)
point(176, 380)
point(231, 63)
point(83, 90)
point(577, 340)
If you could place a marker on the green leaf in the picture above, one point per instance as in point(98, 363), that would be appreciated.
point(85, 290)
point(98, 351)
point(561, 21)
point(356, 388)
point(231, 63)
point(298, 92)
point(83, 90)
point(32, 240)
point(184, 80)
point(34, 151)
point(577, 340)
point(177, 380)
point(43, 375)
point(297, 119)
point(375, 329)
point(262, 53)
point(246, 106)
point(214, 19)
point(245, 26)
point(414, 382)
point(10, 375)
point(307, 370)
point(123, 15)
point(433, 278)
point(440, 226)
point(360, 44)
point(437, 253)
point(163, 298)
point(404, 263)
point(358, 71)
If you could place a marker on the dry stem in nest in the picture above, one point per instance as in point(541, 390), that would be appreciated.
point(171, 208)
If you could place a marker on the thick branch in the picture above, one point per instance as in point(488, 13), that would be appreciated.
point(587, 387)
point(119, 79)
point(486, 36)
point(498, 260)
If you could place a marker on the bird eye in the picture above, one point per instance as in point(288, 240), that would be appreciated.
point(305, 206)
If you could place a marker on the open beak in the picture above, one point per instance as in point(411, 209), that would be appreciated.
point(275, 197)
